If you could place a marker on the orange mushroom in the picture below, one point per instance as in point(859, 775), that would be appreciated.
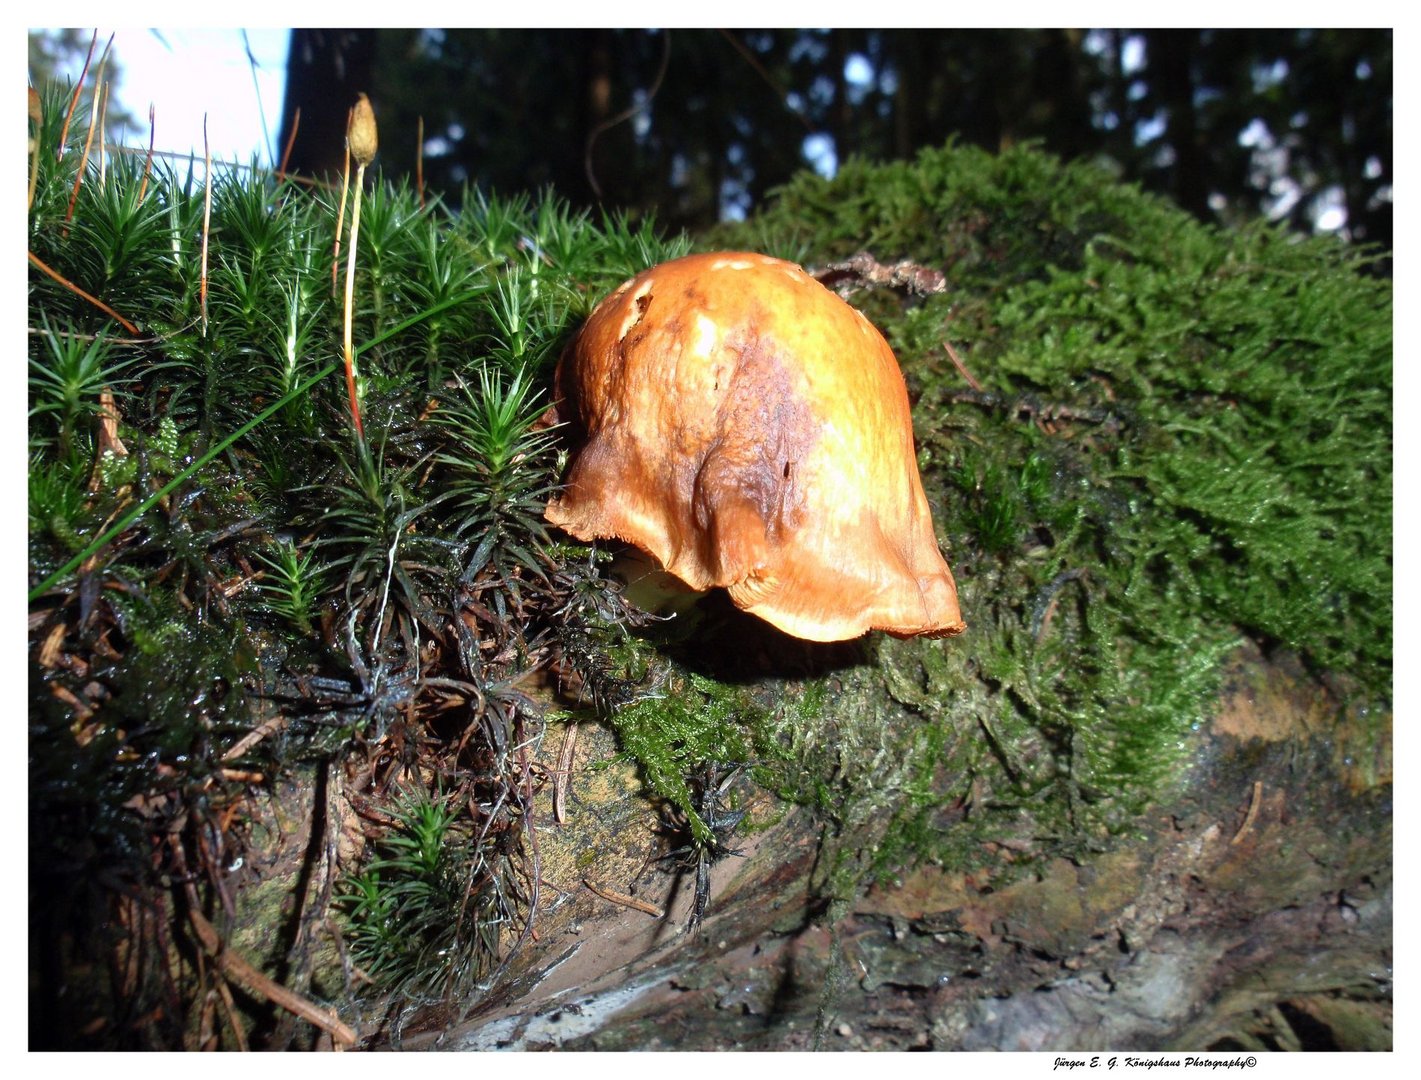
point(749, 429)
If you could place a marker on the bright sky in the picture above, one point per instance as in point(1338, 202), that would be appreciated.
point(186, 73)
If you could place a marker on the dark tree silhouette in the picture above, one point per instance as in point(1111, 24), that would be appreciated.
point(697, 124)
point(326, 70)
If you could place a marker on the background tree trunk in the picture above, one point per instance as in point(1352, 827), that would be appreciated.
point(482, 92)
point(1171, 56)
point(326, 70)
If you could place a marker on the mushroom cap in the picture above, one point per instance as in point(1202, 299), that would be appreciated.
point(749, 429)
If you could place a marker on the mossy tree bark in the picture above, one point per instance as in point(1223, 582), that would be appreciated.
point(1249, 909)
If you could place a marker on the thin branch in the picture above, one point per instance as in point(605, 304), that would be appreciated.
point(759, 69)
point(35, 259)
point(624, 900)
point(290, 142)
point(626, 114)
point(237, 968)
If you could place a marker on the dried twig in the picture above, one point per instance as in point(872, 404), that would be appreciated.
point(562, 779)
point(286, 153)
point(242, 776)
point(624, 900)
point(862, 268)
point(230, 1008)
point(57, 276)
point(626, 114)
point(251, 738)
point(235, 967)
point(961, 367)
point(109, 441)
point(49, 650)
point(766, 78)
point(1252, 814)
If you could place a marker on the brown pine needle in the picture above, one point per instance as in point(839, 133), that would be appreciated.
point(236, 968)
point(290, 142)
point(148, 161)
point(35, 259)
point(109, 441)
point(624, 900)
point(74, 101)
point(961, 367)
point(419, 161)
point(83, 165)
point(206, 223)
point(1252, 814)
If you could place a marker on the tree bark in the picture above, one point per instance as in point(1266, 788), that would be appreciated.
point(326, 70)
point(1248, 911)
point(1171, 58)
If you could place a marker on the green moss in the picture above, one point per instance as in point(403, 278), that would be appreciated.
point(1183, 436)
point(693, 722)
point(385, 584)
